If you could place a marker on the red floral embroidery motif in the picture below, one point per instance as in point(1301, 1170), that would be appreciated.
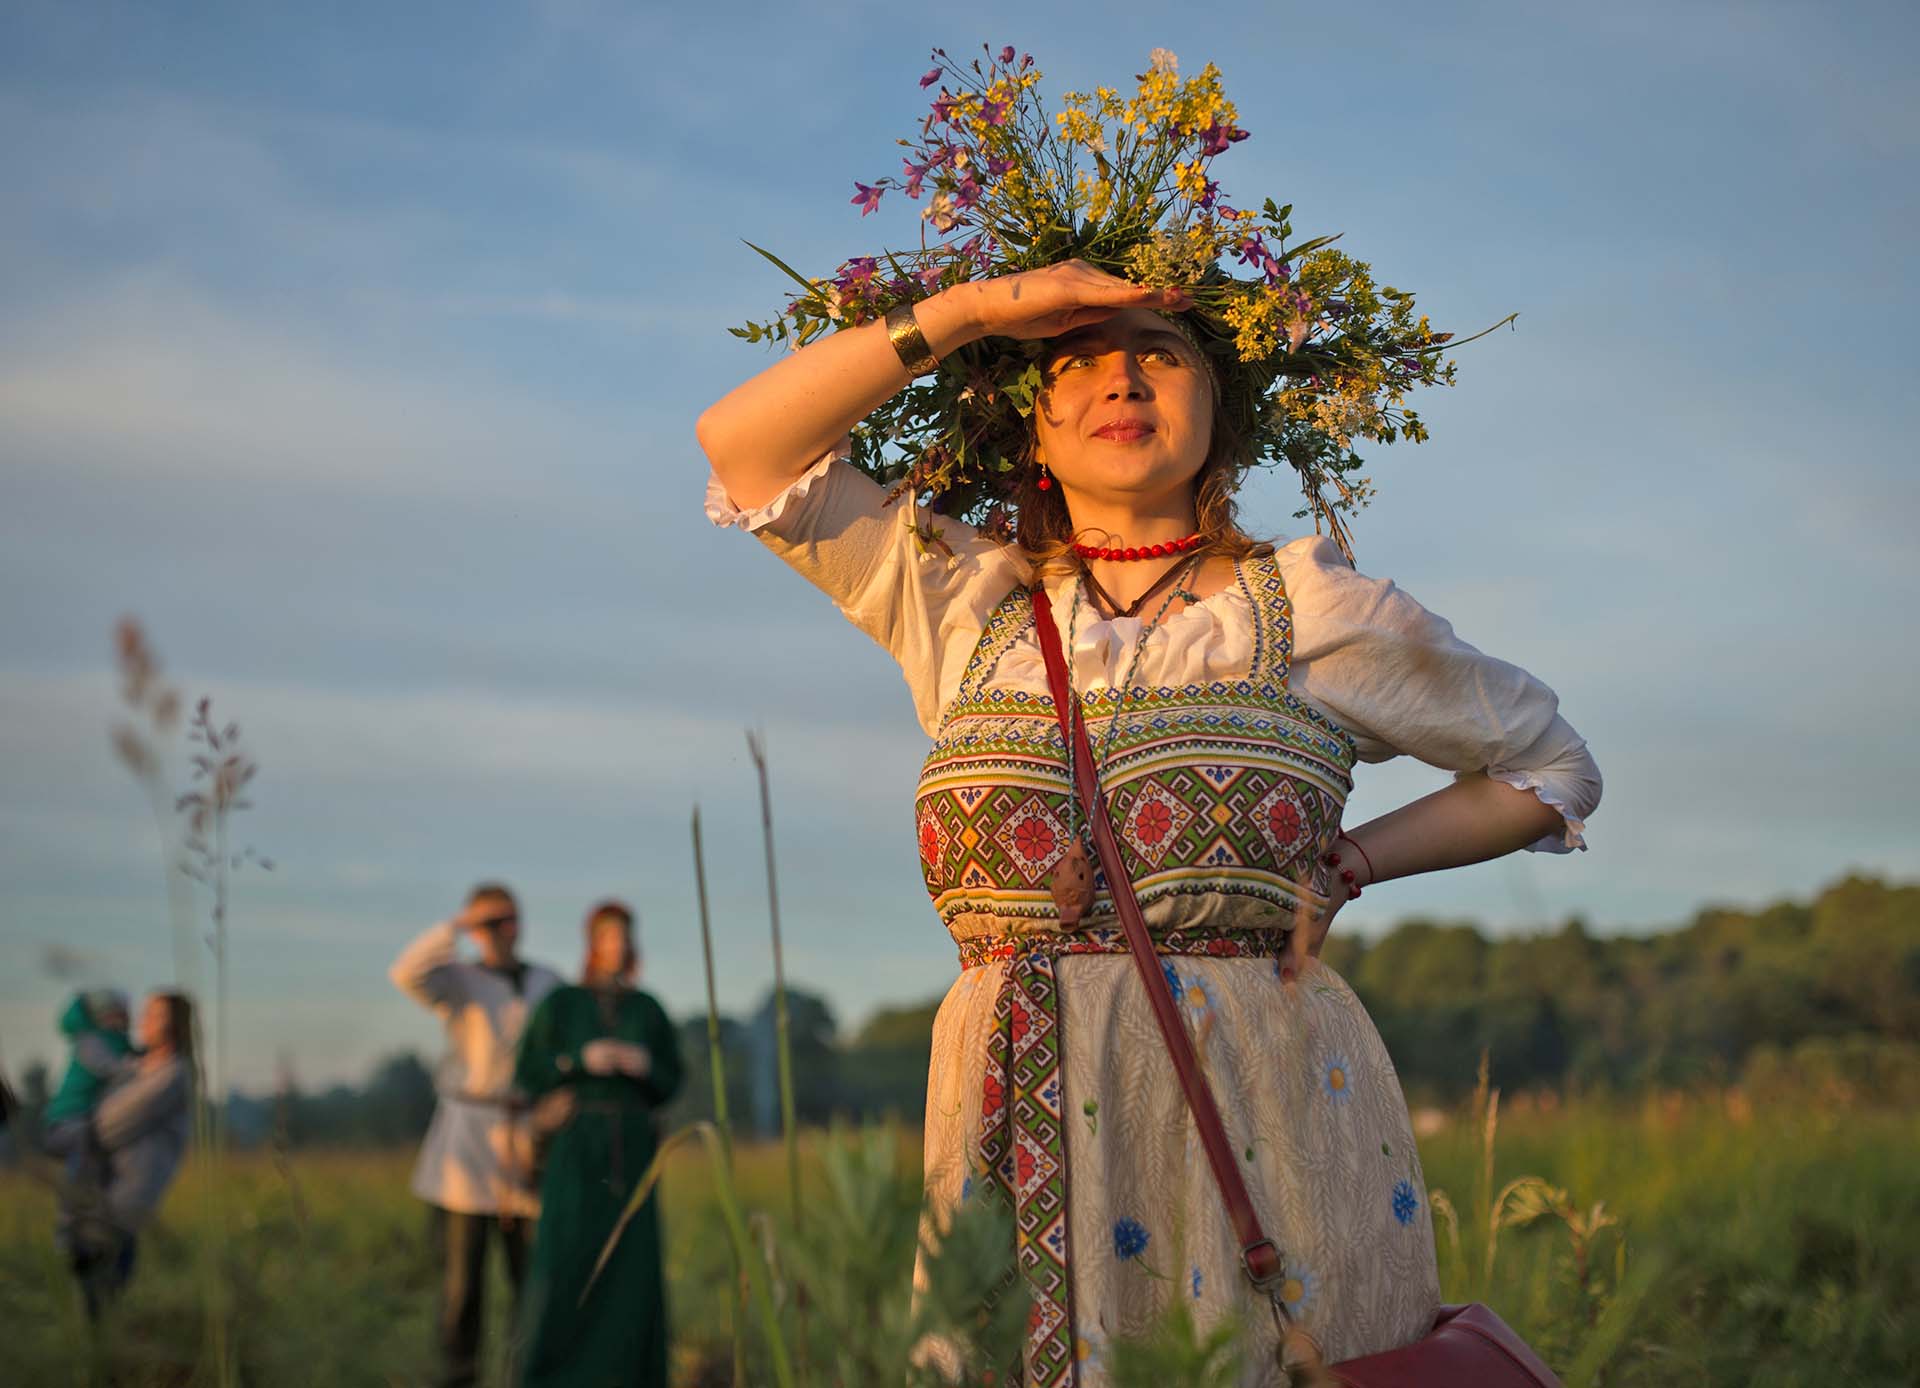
point(992, 1096)
point(1023, 1165)
point(1153, 822)
point(1018, 1016)
point(1032, 839)
point(929, 841)
point(1222, 947)
point(1283, 818)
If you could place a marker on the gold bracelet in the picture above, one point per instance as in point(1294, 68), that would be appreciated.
point(903, 331)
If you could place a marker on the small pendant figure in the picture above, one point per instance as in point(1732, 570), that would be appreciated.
point(1072, 886)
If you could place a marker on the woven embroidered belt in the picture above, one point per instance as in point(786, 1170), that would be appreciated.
point(1022, 1134)
point(1222, 942)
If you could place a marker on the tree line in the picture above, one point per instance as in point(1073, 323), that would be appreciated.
point(1816, 998)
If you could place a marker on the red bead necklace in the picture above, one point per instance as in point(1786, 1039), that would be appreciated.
point(1131, 552)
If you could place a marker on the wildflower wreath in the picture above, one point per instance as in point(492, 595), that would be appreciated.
point(1312, 354)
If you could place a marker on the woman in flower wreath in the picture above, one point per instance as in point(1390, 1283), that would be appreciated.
point(1228, 687)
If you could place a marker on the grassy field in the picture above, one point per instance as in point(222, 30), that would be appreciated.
point(1752, 1248)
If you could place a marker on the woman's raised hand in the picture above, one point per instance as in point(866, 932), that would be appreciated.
point(769, 430)
point(1053, 300)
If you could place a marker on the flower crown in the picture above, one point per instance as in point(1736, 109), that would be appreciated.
point(1310, 353)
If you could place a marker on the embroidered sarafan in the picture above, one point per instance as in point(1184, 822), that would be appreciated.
point(1219, 789)
point(1234, 787)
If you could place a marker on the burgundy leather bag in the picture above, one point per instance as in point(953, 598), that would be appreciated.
point(1469, 1346)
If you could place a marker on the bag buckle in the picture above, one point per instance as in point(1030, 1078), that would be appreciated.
point(1263, 1262)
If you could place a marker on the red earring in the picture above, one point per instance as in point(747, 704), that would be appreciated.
point(1046, 482)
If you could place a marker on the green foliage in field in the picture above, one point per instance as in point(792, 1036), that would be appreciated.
point(331, 1280)
point(1766, 1245)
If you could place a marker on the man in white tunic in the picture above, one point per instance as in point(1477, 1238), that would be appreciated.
point(464, 1170)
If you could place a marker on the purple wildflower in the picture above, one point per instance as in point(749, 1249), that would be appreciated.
point(996, 166)
point(866, 199)
point(916, 173)
point(995, 112)
point(1006, 54)
point(929, 276)
point(860, 269)
point(1251, 250)
point(933, 75)
point(1211, 193)
point(1215, 138)
point(943, 107)
point(966, 193)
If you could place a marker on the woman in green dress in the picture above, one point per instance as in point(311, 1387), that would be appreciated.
point(598, 1061)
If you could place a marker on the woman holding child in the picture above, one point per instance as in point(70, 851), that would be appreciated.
point(125, 1145)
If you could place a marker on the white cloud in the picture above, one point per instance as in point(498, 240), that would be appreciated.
point(143, 375)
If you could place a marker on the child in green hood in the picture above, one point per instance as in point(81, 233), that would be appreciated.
point(96, 1024)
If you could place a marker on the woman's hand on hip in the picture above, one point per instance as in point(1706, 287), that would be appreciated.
point(1306, 937)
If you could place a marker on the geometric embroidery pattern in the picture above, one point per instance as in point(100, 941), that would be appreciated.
point(1023, 1145)
point(1282, 819)
point(1033, 838)
point(1153, 822)
point(1232, 787)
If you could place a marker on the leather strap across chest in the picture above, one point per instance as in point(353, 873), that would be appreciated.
point(1260, 1257)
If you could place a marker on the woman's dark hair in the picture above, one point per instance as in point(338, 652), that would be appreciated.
point(621, 915)
point(1045, 531)
point(179, 1022)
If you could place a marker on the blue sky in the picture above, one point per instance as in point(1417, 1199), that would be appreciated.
point(357, 348)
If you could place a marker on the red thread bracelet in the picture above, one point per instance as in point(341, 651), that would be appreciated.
point(1372, 876)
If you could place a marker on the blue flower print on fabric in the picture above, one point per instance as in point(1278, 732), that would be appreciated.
point(1130, 1238)
point(1090, 1349)
point(966, 1188)
point(1174, 985)
point(1196, 1283)
point(1336, 1078)
point(1197, 999)
point(1405, 1202)
point(1296, 1291)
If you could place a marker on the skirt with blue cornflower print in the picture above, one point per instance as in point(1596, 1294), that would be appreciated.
point(1312, 1105)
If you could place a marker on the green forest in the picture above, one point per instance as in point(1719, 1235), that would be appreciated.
point(1818, 998)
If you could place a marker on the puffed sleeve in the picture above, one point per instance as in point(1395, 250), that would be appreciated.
point(925, 604)
point(1396, 677)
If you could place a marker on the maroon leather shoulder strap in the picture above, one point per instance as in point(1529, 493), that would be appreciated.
point(1258, 1254)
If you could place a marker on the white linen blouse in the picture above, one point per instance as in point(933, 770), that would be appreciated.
point(1365, 653)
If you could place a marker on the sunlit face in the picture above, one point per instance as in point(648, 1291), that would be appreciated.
point(502, 934)
point(1127, 411)
point(154, 1025)
point(607, 953)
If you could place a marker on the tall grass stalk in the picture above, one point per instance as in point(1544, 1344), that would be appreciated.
point(144, 752)
point(789, 1125)
point(716, 1055)
point(789, 1122)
